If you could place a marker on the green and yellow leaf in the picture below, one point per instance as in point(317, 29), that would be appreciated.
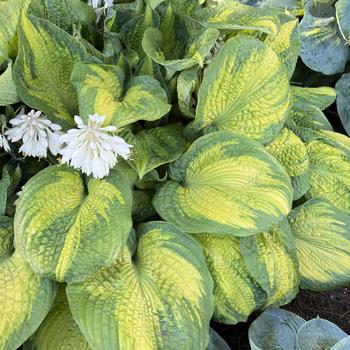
point(67, 231)
point(42, 72)
point(236, 293)
point(8, 91)
point(25, 299)
point(152, 300)
point(101, 89)
point(322, 237)
point(245, 90)
point(225, 184)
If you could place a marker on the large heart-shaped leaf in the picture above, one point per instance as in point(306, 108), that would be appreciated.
point(291, 152)
point(319, 334)
point(25, 299)
point(322, 237)
point(245, 90)
point(66, 230)
point(342, 345)
point(59, 331)
point(161, 298)
point(225, 184)
point(271, 259)
point(101, 90)
point(42, 72)
point(236, 293)
point(275, 329)
point(329, 174)
point(323, 48)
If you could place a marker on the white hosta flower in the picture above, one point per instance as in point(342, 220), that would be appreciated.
point(36, 133)
point(93, 149)
point(97, 3)
point(3, 143)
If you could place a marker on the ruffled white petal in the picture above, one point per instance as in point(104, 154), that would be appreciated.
point(37, 134)
point(3, 143)
point(92, 148)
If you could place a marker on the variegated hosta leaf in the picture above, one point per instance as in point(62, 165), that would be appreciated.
point(236, 293)
point(342, 11)
point(134, 29)
point(245, 90)
point(319, 334)
point(322, 236)
point(142, 207)
point(323, 48)
point(67, 231)
point(194, 54)
point(286, 43)
point(271, 259)
point(8, 91)
point(42, 72)
point(342, 345)
point(329, 174)
point(225, 184)
point(231, 15)
point(9, 15)
point(295, 7)
point(59, 331)
point(186, 86)
point(101, 90)
point(275, 329)
point(159, 299)
point(291, 152)
point(25, 299)
point(6, 236)
point(343, 100)
point(154, 147)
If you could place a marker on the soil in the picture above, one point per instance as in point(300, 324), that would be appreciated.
point(333, 306)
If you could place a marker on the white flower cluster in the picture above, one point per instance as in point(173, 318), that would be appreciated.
point(97, 3)
point(91, 148)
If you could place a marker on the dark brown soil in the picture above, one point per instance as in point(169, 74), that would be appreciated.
point(333, 306)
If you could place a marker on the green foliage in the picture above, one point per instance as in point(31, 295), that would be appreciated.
point(224, 184)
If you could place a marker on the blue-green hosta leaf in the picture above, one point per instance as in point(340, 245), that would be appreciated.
point(142, 208)
point(342, 11)
point(322, 237)
point(225, 184)
point(319, 334)
point(186, 86)
point(231, 15)
point(8, 91)
point(25, 299)
point(154, 147)
point(102, 90)
point(329, 174)
point(236, 293)
point(194, 54)
point(66, 231)
point(6, 236)
point(271, 259)
point(323, 48)
point(42, 72)
point(291, 152)
point(59, 331)
point(9, 15)
point(159, 299)
point(286, 43)
point(343, 100)
point(342, 345)
point(216, 342)
point(245, 90)
point(275, 329)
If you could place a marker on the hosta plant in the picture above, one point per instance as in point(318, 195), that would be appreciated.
point(280, 329)
point(164, 165)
